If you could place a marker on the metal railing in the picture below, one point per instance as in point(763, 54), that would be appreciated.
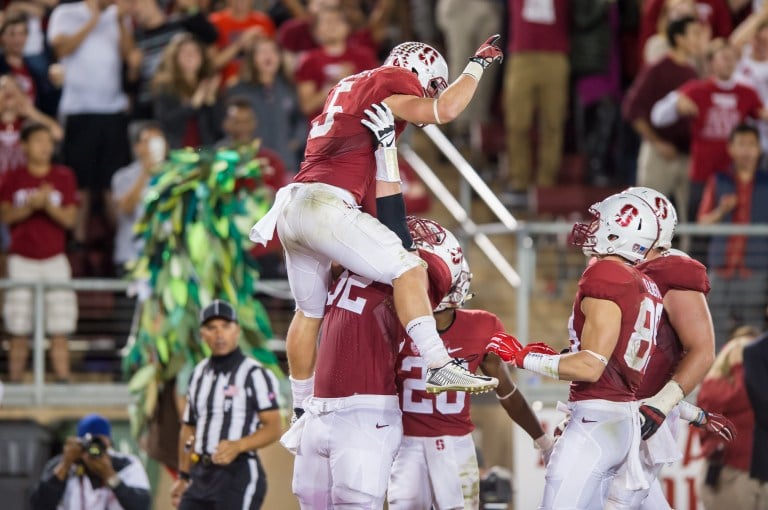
point(91, 394)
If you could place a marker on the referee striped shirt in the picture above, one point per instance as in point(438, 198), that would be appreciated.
point(226, 406)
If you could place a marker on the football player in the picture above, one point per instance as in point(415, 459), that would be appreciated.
point(612, 333)
point(319, 218)
point(685, 350)
point(347, 438)
point(436, 465)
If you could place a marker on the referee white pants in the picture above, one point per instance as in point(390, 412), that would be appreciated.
point(435, 472)
point(346, 451)
point(320, 224)
point(600, 438)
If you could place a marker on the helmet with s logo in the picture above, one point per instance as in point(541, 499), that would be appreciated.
point(430, 67)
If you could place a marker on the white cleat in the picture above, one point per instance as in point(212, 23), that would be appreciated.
point(454, 377)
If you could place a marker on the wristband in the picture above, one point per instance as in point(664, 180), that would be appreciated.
point(602, 359)
point(474, 69)
point(691, 413)
point(183, 476)
point(544, 364)
point(667, 398)
point(514, 390)
point(434, 111)
point(387, 168)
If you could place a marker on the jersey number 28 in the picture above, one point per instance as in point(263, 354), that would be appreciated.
point(413, 404)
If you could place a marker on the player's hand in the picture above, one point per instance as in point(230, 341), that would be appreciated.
point(488, 52)
point(651, 419)
point(381, 123)
point(715, 423)
point(510, 350)
point(226, 452)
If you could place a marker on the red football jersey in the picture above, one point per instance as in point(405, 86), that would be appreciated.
point(339, 148)
point(640, 302)
point(361, 333)
point(720, 110)
point(444, 414)
point(675, 271)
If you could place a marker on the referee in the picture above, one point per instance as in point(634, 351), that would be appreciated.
point(231, 412)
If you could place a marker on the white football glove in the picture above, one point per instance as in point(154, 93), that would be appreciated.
point(381, 123)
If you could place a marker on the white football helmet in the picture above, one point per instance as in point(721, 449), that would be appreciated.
point(623, 225)
point(664, 210)
point(432, 237)
point(430, 67)
point(460, 291)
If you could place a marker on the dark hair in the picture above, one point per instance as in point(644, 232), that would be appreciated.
point(31, 128)
point(743, 129)
point(678, 27)
point(239, 102)
point(148, 125)
point(16, 19)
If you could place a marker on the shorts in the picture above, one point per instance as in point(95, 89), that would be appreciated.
point(60, 304)
point(95, 146)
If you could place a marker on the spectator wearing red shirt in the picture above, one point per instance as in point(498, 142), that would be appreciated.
point(737, 269)
point(297, 35)
point(714, 13)
point(714, 105)
point(536, 81)
point(238, 25)
point(321, 69)
point(39, 202)
point(662, 163)
point(725, 481)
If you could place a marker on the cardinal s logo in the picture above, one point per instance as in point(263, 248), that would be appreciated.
point(625, 216)
point(661, 207)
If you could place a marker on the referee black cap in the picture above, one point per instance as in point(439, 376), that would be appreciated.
point(218, 309)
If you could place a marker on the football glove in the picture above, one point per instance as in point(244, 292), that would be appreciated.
point(488, 52)
point(510, 350)
point(651, 419)
point(381, 123)
point(715, 423)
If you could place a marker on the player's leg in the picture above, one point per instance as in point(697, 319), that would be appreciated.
point(453, 472)
point(311, 469)
point(362, 450)
point(585, 460)
point(325, 226)
point(409, 486)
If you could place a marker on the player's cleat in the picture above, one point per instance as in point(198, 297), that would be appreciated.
point(297, 412)
point(454, 377)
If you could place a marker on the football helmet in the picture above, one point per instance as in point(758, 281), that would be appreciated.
point(430, 67)
point(623, 225)
point(431, 236)
point(460, 291)
point(664, 210)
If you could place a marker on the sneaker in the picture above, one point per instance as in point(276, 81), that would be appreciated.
point(454, 377)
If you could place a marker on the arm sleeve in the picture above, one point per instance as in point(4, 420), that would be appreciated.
point(390, 211)
point(664, 112)
point(133, 491)
point(265, 390)
point(49, 490)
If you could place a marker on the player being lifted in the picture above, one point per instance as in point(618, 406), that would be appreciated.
point(347, 439)
point(685, 350)
point(318, 217)
point(436, 465)
point(612, 333)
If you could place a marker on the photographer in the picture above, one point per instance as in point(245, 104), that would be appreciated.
point(89, 474)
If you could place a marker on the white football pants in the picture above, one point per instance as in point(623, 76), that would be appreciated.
point(346, 451)
point(435, 472)
point(601, 436)
point(320, 224)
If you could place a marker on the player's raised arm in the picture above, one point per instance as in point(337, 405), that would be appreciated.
point(454, 99)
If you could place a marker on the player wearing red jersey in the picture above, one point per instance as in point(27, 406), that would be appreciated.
point(612, 332)
point(350, 432)
point(685, 350)
point(436, 465)
point(319, 221)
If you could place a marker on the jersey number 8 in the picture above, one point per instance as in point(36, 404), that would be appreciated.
point(643, 339)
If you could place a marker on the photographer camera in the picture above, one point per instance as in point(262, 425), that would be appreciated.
point(89, 474)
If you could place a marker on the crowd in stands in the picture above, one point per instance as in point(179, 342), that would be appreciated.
point(592, 94)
